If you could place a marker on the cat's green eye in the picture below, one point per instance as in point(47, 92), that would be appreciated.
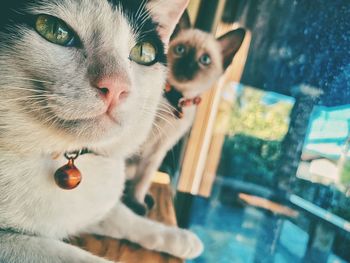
point(143, 53)
point(54, 30)
point(205, 60)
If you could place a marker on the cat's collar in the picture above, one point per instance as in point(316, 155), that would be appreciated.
point(68, 176)
point(178, 101)
point(75, 153)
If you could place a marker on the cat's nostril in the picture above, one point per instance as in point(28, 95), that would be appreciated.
point(112, 90)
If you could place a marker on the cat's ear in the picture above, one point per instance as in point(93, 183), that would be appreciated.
point(184, 23)
point(230, 43)
point(167, 14)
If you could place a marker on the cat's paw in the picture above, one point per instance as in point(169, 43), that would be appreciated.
point(183, 244)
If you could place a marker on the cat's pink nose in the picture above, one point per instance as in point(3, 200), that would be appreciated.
point(113, 90)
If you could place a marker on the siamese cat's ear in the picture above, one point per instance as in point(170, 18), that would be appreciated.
point(167, 14)
point(184, 23)
point(230, 43)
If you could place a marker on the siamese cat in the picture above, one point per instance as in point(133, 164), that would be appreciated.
point(196, 60)
point(79, 81)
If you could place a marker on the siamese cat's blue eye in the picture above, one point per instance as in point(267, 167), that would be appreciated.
point(54, 30)
point(179, 49)
point(205, 60)
point(144, 53)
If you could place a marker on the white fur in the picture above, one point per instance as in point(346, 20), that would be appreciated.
point(31, 204)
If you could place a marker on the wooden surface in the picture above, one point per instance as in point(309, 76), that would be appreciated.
point(126, 252)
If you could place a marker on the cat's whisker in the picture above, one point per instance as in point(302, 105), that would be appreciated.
point(43, 108)
point(49, 120)
point(160, 130)
point(39, 100)
point(160, 116)
point(26, 89)
point(141, 9)
point(165, 104)
point(25, 98)
point(40, 110)
point(29, 96)
point(144, 33)
point(80, 132)
point(38, 103)
point(30, 79)
point(137, 17)
point(165, 119)
point(143, 15)
point(142, 19)
point(166, 108)
point(161, 106)
point(55, 121)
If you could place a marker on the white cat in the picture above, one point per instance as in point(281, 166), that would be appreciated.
point(196, 60)
point(78, 77)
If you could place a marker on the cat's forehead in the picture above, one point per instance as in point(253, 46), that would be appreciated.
point(197, 39)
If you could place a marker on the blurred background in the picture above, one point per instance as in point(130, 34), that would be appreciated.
point(264, 175)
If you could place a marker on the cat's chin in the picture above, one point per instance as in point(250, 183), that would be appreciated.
point(109, 118)
point(93, 129)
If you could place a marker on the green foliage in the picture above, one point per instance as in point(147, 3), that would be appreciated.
point(250, 159)
point(345, 176)
point(252, 117)
point(252, 145)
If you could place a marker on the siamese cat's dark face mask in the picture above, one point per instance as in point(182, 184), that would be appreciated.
point(185, 64)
